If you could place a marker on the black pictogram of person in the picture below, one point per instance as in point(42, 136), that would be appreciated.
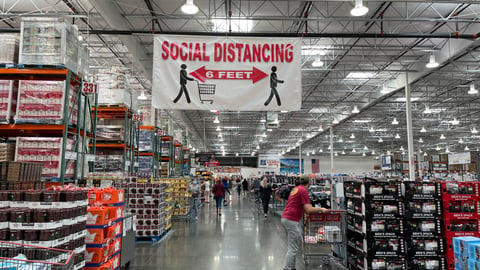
point(183, 84)
point(273, 87)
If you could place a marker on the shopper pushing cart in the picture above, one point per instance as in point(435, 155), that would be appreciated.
point(297, 203)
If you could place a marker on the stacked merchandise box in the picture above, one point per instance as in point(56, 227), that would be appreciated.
point(43, 102)
point(46, 218)
point(8, 100)
point(166, 156)
point(145, 164)
point(104, 228)
point(423, 219)
point(20, 175)
point(49, 41)
point(461, 213)
point(108, 163)
point(146, 109)
point(114, 89)
point(7, 151)
point(83, 58)
point(47, 151)
point(9, 50)
point(146, 139)
point(467, 253)
point(150, 202)
point(110, 130)
point(375, 225)
point(181, 196)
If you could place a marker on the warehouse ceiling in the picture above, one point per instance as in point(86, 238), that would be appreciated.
point(367, 61)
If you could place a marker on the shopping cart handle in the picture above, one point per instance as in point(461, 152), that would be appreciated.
point(335, 211)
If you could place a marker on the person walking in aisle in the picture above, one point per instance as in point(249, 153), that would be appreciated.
point(245, 186)
point(226, 186)
point(265, 194)
point(219, 194)
point(239, 188)
point(194, 189)
point(207, 191)
point(256, 188)
point(292, 214)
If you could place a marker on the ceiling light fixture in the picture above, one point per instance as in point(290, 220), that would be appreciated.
point(466, 148)
point(284, 111)
point(355, 109)
point(389, 153)
point(343, 152)
point(455, 122)
point(353, 150)
point(423, 130)
point(364, 154)
point(269, 129)
point(447, 151)
point(420, 140)
point(223, 153)
point(373, 152)
point(189, 7)
point(442, 137)
point(321, 150)
point(216, 121)
point(335, 121)
point(397, 136)
point(427, 110)
point(432, 62)
point(365, 148)
point(218, 128)
point(371, 129)
point(221, 139)
point(340, 140)
point(313, 152)
point(472, 90)
point(401, 148)
point(317, 62)
point(352, 136)
point(474, 131)
point(320, 129)
point(214, 111)
point(336, 154)
point(438, 148)
point(394, 122)
point(253, 153)
point(308, 154)
point(236, 154)
point(380, 140)
point(258, 147)
point(385, 89)
point(425, 154)
point(329, 147)
point(359, 9)
point(263, 121)
point(460, 141)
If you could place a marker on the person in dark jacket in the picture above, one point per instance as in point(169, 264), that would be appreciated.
point(265, 194)
point(245, 186)
point(219, 194)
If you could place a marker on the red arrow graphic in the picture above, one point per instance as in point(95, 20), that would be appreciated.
point(203, 74)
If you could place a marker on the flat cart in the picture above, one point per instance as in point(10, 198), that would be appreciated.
point(205, 90)
point(20, 256)
point(182, 208)
point(321, 233)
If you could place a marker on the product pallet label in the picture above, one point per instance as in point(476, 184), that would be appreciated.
point(424, 247)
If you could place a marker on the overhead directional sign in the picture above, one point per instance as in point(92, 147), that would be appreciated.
point(226, 73)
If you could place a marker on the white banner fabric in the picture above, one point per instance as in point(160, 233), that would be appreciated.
point(226, 73)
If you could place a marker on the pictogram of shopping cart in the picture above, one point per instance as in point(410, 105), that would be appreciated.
point(205, 90)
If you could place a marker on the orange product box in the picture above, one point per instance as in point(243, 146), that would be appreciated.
point(96, 215)
point(115, 246)
point(95, 236)
point(96, 255)
point(106, 266)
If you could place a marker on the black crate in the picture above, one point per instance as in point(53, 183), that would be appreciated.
point(423, 209)
point(424, 247)
point(422, 190)
point(423, 228)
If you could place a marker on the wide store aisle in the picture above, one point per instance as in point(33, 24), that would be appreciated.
point(239, 239)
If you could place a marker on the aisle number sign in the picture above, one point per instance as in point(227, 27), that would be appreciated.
point(138, 117)
point(226, 73)
point(89, 88)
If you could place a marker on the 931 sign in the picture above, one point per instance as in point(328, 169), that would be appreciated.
point(89, 88)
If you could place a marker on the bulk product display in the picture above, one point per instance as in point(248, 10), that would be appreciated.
point(108, 163)
point(7, 151)
point(423, 218)
point(43, 102)
point(151, 202)
point(113, 88)
point(167, 151)
point(104, 228)
point(467, 252)
point(47, 151)
point(46, 218)
point(181, 197)
point(8, 100)
point(20, 175)
point(9, 50)
point(49, 41)
point(461, 213)
point(375, 225)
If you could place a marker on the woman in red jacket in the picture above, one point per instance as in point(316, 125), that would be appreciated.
point(219, 194)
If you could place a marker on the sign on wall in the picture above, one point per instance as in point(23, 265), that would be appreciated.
point(459, 158)
point(269, 163)
point(226, 73)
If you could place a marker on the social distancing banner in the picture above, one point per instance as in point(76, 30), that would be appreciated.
point(226, 73)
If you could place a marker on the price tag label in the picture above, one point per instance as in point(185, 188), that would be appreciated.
point(89, 88)
point(90, 157)
point(138, 117)
point(70, 155)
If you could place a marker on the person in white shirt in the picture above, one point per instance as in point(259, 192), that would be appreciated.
point(207, 191)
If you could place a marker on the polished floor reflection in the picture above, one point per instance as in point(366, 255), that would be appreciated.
point(239, 239)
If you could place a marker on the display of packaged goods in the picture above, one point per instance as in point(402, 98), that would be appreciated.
point(422, 190)
point(108, 163)
point(145, 164)
point(114, 176)
point(20, 171)
point(47, 151)
point(423, 209)
point(460, 191)
point(49, 41)
point(166, 149)
point(83, 58)
point(146, 140)
point(426, 247)
point(147, 110)
point(9, 49)
point(43, 102)
point(7, 151)
point(110, 133)
point(113, 88)
point(434, 263)
point(461, 209)
point(420, 228)
point(8, 100)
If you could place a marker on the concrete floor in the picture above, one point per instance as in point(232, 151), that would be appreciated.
point(240, 239)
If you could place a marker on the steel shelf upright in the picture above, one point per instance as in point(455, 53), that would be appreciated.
point(66, 125)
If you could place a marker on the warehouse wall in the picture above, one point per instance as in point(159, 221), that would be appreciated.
point(357, 165)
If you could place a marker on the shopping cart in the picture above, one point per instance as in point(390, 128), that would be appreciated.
point(204, 90)
point(26, 257)
point(321, 233)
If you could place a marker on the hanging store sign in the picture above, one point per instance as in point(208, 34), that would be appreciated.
point(459, 158)
point(226, 73)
